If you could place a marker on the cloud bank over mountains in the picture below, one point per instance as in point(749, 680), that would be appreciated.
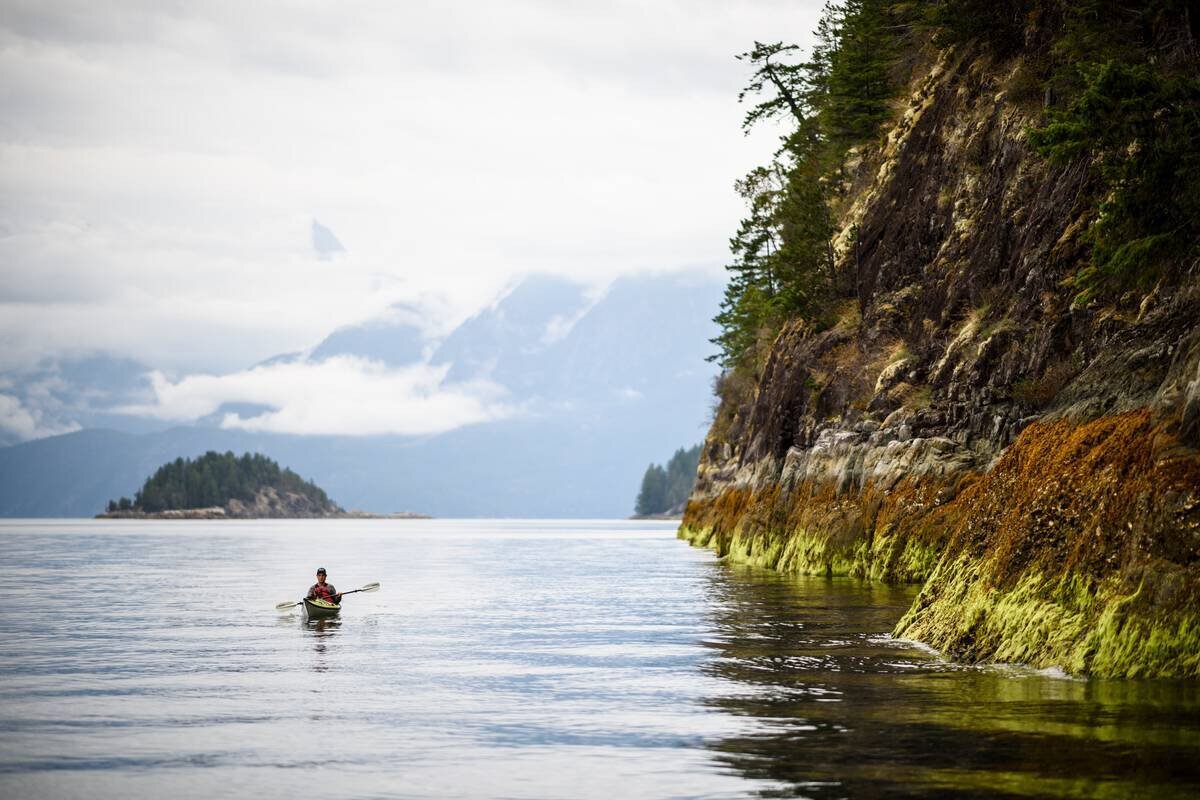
point(342, 395)
point(60, 395)
point(19, 423)
point(544, 343)
point(549, 401)
point(390, 374)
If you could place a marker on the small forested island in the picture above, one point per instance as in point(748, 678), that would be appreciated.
point(225, 486)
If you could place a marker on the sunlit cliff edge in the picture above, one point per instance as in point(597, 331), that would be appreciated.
point(965, 422)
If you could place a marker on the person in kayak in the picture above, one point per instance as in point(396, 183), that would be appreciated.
point(322, 590)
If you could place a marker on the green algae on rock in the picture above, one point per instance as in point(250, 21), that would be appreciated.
point(1077, 549)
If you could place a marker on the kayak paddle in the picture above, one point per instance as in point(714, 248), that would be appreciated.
point(370, 587)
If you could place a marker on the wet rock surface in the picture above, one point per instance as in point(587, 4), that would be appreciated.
point(917, 437)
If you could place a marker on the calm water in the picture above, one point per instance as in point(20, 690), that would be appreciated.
point(519, 660)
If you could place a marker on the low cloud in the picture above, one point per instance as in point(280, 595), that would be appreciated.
point(19, 423)
point(344, 395)
point(161, 163)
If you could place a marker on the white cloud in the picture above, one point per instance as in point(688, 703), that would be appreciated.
point(160, 163)
point(23, 423)
point(344, 395)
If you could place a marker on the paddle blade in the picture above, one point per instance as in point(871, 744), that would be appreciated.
point(370, 587)
point(282, 606)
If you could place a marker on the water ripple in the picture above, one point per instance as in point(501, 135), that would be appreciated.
point(520, 660)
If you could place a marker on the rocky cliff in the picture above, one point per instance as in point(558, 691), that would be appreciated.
point(964, 423)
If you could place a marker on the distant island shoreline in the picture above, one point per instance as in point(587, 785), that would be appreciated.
point(219, 512)
point(224, 486)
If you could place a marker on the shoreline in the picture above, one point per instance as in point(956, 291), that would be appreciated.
point(218, 512)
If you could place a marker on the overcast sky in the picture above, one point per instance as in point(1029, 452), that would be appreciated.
point(161, 163)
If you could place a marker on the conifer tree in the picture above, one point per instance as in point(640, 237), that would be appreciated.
point(681, 476)
point(858, 83)
point(651, 498)
point(1141, 131)
point(781, 251)
point(215, 479)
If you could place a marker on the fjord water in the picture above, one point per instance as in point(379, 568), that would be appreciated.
point(519, 659)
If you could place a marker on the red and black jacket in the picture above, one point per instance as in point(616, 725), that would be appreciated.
point(326, 592)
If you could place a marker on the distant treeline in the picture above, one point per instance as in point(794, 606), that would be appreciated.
point(214, 479)
point(664, 489)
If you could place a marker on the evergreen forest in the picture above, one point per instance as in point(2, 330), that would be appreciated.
point(214, 479)
point(664, 488)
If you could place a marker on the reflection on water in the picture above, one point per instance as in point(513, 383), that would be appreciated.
point(322, 630)
point(321, 627)
point(520, 659)
point(843, 710)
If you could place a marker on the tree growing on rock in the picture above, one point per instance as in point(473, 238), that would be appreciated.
point(783, 259)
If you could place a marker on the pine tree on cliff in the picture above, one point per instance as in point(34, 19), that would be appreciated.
point(762, 287)
point(785, 87)
point(1000, 22)
point(858, 84)
point(753, 283)
point(783, 260)
point(1136, 122)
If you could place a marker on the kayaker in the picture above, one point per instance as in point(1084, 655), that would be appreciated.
point(322, 590)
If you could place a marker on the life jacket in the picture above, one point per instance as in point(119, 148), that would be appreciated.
point(326, 592)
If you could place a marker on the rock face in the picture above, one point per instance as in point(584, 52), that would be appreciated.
point(963, 424)
point(270, 502)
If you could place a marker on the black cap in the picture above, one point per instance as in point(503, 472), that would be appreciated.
point(320, 570)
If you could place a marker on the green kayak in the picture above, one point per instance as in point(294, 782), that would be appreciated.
point(321, 608)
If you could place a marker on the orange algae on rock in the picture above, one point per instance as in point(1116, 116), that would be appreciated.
point(812, 530)
point(1080, 549)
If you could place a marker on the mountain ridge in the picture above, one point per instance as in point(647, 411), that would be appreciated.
point(577, 438)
